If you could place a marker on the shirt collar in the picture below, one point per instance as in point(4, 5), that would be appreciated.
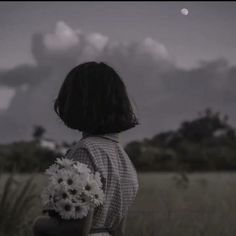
point(111, 136)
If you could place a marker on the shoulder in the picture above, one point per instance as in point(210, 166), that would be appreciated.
point(80, 151)
point(88, 142)
point(82, 144)
point(86, 152)
point(93, 144)
point(86, 146)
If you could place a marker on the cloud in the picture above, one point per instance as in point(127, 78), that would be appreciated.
point(23, 74)
point(97, 41)
point(64, 42)
point(6, 95)
point(61, 39)
point(163, 93)
point(22, 78)
point(154, 48)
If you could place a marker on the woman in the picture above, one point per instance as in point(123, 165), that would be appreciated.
point(93, 99)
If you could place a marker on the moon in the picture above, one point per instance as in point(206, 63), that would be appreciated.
point(184, 11)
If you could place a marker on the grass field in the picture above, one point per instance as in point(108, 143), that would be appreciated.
point(170, 204)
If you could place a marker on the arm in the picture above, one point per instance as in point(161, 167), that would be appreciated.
point(82, 155)
point(53, 226)
point(120, 230)
point(88, 223)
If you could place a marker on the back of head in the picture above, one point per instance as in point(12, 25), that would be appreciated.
point(94, 99)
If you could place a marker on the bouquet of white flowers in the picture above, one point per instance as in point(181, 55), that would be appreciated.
point(72, 189)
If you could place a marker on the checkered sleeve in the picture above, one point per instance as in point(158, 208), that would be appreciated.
point(82, 155)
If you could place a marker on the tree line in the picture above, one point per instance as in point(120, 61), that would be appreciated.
point(206, 143)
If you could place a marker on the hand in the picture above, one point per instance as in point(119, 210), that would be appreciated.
point(53, 225)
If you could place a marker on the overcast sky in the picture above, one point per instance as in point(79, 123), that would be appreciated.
point(179, 53)
point(206, 33)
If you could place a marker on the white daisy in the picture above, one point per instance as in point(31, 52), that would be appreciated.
point(81, 211)
point(94, 191)
point(52, 170)
point(58, 178)
point(83, 173)
point(82, 180)
point(72, 180)
point(47, 196)
point(97, 177)
point(98, 197)
point(75, 193)
point(82, 168)
point(66, 209)
point(91, 187)
point(65, 162)
point(60, 193)
point(81, 199)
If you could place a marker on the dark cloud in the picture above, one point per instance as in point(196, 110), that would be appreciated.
point(24, 74)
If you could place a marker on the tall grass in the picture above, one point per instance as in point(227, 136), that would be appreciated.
point(168, 204)
point(16, 202)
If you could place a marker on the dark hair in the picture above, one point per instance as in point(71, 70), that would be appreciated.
point(93, 99)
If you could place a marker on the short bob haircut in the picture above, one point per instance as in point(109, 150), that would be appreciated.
point(93, 99)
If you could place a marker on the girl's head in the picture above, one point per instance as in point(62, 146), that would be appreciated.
point(93, 99)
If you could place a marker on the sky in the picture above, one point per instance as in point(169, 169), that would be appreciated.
point(186, 62)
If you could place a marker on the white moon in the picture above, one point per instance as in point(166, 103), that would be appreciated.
point(184, 11)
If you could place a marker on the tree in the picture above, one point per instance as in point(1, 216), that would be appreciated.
point(203, 127)
point(38, 132)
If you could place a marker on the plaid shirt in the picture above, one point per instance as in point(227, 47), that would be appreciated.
point(105, 154)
